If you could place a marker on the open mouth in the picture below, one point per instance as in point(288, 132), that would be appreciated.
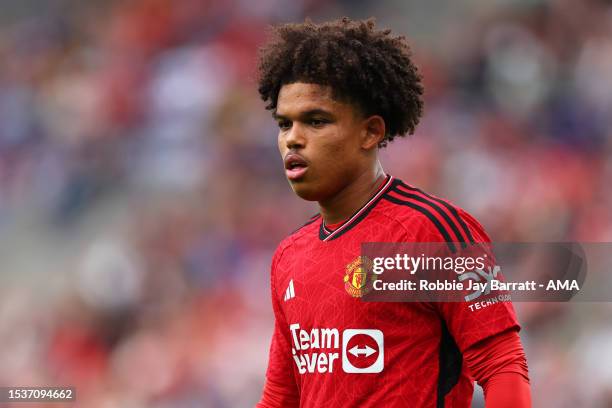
point(295, 166)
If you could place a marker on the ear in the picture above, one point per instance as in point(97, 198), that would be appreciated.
point(373, 132)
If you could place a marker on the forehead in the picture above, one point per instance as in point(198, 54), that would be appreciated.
point(300, 97)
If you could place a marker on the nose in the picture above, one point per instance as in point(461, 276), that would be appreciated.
point(294, 137)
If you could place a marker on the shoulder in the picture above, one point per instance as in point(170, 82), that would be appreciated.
point(426, 217)
point(295, 236)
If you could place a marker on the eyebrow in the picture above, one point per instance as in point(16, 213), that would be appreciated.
point(306, 114)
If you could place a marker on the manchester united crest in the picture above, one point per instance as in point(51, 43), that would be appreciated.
point(359, 277)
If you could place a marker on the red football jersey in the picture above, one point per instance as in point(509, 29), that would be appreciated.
point(331, 349)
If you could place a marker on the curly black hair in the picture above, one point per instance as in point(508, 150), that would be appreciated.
point(366, 67)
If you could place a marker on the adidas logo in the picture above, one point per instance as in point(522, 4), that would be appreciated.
point(290, 292)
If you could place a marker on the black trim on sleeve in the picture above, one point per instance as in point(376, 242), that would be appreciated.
point(450, 361)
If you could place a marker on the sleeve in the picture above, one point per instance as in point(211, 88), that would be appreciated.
point(499, 365)
point(470, 322)
point(280, 388)
point(476, 320)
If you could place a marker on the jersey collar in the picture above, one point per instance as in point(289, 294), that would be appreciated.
point(327, 235)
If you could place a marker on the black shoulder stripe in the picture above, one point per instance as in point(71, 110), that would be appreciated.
point(439, 210)
point(428, 214)
point(449, 207)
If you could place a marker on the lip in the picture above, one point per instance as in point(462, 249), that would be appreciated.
point(291, 171)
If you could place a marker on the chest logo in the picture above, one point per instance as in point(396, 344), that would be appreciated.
point(359, 277)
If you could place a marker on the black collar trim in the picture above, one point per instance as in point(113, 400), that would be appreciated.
point(327, 235)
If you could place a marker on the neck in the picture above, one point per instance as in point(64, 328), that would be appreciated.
point(353, 196)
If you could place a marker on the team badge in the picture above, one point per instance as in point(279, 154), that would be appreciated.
point(359, 277)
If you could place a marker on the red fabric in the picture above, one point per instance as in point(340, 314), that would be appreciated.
point(277, 396)
point(280, 389)
point(316, 290)
point(499, 365)
point(332, 227)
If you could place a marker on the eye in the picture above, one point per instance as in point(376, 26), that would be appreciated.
point(318, 122)
point(284, 124)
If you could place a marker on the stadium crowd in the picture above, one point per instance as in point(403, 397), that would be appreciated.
point(142, 194)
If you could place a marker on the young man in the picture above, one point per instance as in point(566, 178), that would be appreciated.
point(339, 92)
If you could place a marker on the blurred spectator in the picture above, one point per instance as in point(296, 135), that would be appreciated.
point(141, 192)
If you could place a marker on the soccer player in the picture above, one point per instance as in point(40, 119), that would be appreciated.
point(340, 91)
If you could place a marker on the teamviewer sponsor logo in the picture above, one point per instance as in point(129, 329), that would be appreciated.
point(318, 349)
point(359, 348)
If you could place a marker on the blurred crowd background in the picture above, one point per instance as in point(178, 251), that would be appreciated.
point(142, 194)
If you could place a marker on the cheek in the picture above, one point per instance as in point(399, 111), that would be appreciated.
point(338, 158)
point(332, 152)
point(343, 146)
point(281, 144)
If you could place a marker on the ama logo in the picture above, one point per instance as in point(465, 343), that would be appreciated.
point(318, 350)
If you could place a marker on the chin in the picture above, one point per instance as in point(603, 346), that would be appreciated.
point(306, 191)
